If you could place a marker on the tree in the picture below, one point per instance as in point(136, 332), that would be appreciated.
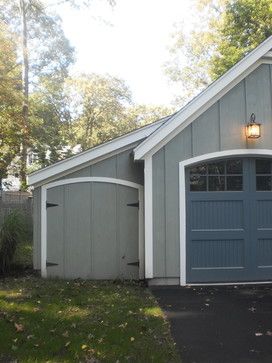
point(98, 105)
point(142, 115)
point(45, 57)
point(10, 100)
point(245, 24)
point(231, 29)
point(101, 108)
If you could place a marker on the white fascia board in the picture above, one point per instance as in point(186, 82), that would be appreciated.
point(208, 96)
point(95, 153)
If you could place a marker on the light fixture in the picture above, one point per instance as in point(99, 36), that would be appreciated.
point(253, 129)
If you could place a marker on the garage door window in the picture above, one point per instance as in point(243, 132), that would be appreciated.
point(226, 175)
point(263, 175)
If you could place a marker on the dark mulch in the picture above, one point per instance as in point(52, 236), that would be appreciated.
point(220, 324)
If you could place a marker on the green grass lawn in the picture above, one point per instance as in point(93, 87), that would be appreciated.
point(81, 321)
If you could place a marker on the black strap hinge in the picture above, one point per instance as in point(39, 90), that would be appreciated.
point(49, 205)
point(48, 264)
point(136, 205)
point(136, 263)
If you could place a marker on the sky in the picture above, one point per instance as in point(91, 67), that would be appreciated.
point(129, 41)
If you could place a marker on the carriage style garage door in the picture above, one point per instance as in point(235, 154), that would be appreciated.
point(229, 221)
point(92, 231)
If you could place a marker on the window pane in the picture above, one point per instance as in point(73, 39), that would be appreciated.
point(199, 169)
point(216, 183)
point(263, 166)
point(263, 183)
point(198, 183)
point(234, 183)
point(216, 168)
point(234, 166)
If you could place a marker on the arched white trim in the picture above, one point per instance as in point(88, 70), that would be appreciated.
point(57, 183)
point(182, 192)
point(94, 179)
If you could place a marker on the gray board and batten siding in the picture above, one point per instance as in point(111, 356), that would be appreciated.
point(219, 128)
point(89, 207)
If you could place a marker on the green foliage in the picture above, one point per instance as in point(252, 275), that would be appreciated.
point(81, 321)
point(245, 24)
point(49, 55)
point(10, 100)
point(102, 108)
point(12, 232)
point(226, 30)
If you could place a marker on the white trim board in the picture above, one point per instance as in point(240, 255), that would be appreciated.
point(54, 171)
point(57, 183)
point(148, 217)
point(182, 193)
point(203, 101)
point(232, 283)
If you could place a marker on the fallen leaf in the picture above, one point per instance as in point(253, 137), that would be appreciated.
point(19, 327)
point(132, 339)
point(68, 343)
point(84, 346)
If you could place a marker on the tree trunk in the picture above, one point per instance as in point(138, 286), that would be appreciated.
point(25, 110)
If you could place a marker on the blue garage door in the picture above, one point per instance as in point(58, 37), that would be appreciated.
point(229, 221)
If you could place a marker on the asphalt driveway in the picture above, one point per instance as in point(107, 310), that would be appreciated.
point(220, 324)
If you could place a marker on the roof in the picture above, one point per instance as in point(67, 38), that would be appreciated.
point(203, 101)
point(93, 155)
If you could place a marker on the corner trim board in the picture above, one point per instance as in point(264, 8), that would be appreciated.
point(44, 189)
point(148, 197)
point(182, 194)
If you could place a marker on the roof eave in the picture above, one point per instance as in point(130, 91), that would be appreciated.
point(55, 170)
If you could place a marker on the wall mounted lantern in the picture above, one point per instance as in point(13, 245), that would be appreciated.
point(253, 129)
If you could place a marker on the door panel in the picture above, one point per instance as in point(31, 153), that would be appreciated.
point(55, 247)
point(77, 227)
point(229, 232)
point(128, 233)
point(93, 233)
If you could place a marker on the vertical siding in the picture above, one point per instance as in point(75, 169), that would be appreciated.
point(258, 96)
point(121, 166)
point(232, 119)
point(205, 132)
point(221, 127)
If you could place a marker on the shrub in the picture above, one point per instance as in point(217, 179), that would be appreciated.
point(11, 233)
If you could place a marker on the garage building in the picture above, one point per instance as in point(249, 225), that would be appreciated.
point(186, 200)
